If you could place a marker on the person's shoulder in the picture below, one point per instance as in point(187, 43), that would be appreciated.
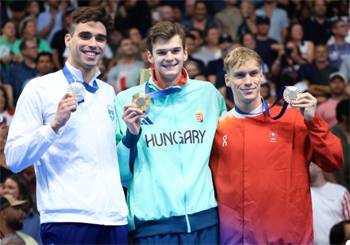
point(336, 188)
point(280, 11)
point(28, 239)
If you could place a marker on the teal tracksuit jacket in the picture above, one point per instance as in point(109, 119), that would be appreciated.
point(170, 186)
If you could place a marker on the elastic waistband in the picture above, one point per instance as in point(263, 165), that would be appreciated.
point(176, 224)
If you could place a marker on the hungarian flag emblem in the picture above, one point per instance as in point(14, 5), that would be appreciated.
point(199, 116)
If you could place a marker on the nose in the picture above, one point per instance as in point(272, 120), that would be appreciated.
point(247, 79)
point(169, 56)
point(92, 42)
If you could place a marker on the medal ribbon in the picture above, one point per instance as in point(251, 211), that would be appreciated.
point(267, 108)
point(92, 89)
point(159, 93)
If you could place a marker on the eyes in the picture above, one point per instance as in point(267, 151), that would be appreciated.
point(164, 52)
point(240, 75)
point(87, 36)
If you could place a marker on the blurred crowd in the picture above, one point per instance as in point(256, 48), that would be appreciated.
point(302, 43)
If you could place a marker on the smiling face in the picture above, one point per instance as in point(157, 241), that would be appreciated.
point(168, 57)
point(86, 45)
point(245, 82)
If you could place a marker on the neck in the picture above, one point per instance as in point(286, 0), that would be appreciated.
point(319, 181)
point(338, 97)
point(212, 47)
point(269, 5)
point(88, 74)
point(5, 229)
point(262, 37)
point(320, 19)
point(297, 42)
point(128, 60)
point(164, 82)
point(8, 38)
point(147, 65)
point(29, 62)
point(230, 7)
point(249, 107)
point(339, 40)
point(321, 64)
point(200, 21)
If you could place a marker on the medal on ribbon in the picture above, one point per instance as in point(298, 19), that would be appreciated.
point(142, 101)
point(290, 93)
point(78, 90)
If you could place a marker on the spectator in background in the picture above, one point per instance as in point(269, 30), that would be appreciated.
point(191, 47)
point(286, 67)
point(278, 19)
point(345, 70)
point(200, 20)
point(330, 204)
point(189, 9)
point(193, 71)
point(57, 44)
point(327, 110)
point(166, 13)
point(44, 63)
point(118, 76)
point(50, 21)
point(249, 19)
point(103, 69)
point(4, 169)
point(19, 74)
point(210, 51)
point(12, 239)
point(306, 47)
point(16, 11)
point(317, 73)
point(266, 92)
point(340, 233)
point(33, 9)
point(342, 131)
point(264, 44)
point(18, 186)
point(215, 66)
point(12, 218)
point(7, 39)
point(5, 113)
point(28, 30)
point(135, 35)
point(317, 27)
point(340, 50)
point(198, 42)
point(229, 19)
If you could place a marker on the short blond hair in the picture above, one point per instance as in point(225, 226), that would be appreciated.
point(237, 57)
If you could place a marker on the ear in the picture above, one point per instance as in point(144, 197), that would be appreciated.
point(262, 76)
point(150, 57)
point(3, 214)
point(227, 80)
point(67, 40)
point(185, 54)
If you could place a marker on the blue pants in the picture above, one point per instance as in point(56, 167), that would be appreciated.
point(81, 233)
point(208, 236)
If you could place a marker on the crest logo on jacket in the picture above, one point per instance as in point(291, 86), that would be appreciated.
point(199, 116)
point(110, 112)
point(273, 136)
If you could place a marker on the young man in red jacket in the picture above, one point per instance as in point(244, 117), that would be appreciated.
point(261, 166)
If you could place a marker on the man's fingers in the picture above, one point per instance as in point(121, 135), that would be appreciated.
point(68, 95)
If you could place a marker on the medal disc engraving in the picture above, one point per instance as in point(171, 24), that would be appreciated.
point(290, 93)
point(142, 101)
point(78, 90)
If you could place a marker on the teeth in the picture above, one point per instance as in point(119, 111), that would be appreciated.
point(89, 53)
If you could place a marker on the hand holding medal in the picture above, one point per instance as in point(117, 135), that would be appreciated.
point(306, 103)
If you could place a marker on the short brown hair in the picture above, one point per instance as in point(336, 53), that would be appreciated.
point(165, 30)
point(237, 57)
point(86, 14)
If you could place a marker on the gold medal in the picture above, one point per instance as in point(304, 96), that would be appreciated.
point(142, 101)
point(290, 93)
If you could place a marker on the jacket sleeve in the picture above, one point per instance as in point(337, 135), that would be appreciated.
point(328, 152)
point(28, 137)
point(126, 142)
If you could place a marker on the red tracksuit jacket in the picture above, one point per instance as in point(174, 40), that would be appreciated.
point(261, 174)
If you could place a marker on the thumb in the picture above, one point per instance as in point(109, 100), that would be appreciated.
point(68, 95)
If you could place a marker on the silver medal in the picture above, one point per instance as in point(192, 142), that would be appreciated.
point(78, 90)
point(291, 93)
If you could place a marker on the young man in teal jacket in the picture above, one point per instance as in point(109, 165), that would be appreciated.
point(164, 152)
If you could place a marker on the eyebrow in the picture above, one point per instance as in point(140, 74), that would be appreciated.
point(160, 50)
point(240, 72)
point(87, 32)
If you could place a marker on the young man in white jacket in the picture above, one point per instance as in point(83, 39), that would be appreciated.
point(69, 137)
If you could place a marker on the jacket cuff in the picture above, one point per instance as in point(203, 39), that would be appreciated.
point(130, 140)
